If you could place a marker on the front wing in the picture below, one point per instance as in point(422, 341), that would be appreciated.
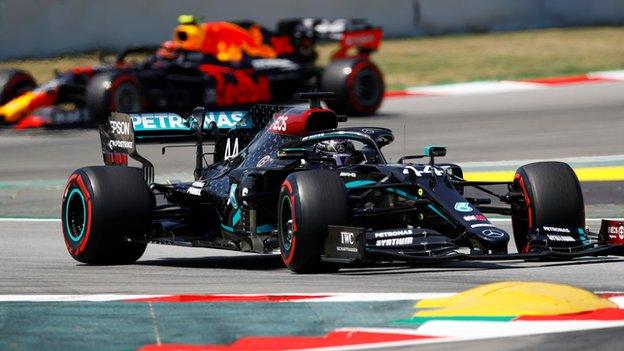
point(354, 244)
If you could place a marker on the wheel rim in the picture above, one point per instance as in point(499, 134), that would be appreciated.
point(367, 87)
point(75, 215)
point(286, 224)
point(126, 98)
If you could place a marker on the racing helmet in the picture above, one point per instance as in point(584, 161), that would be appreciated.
point(338, 149)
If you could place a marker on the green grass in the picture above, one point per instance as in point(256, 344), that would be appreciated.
point(457, 58)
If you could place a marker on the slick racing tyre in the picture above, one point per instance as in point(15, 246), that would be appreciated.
point(14, 83)
point(104, 207)
point(358, 85)
point(552, 197)
point(113, 92)
point(309, 201)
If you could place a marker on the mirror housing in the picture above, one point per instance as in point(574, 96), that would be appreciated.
point(292, 153)
point(435, 150)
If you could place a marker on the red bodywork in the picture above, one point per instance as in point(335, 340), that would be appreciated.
point(301, 122)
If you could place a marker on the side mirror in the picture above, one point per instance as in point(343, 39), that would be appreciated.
point(292, 153)
point(435, 150)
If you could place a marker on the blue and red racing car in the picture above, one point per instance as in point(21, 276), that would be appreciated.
point(219, 65)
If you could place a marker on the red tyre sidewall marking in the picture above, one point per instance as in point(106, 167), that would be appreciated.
point(520, 181)
point(77, 180)
point(116, 83)
point(291, 255)
point(351, 79)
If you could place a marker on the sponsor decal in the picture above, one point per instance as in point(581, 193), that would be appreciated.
point(224, 119)
point(158, 121)
point(346, 249)
point(556, 229)
point(240, 88)
point(120, 127)
point(348, 174)
point(482, 225)
point(231, 149)
point(279, 123)
point(423, 170)
point(284, 64)
point(195, 188)
point(263, 161)
point(463, 207)
point(560, 238)
point(194, 191)
point(616, 231)
point(347, 238)
point(394, 233)
point(362, 39)
point(244, 193)
point(492, 233)
point(395, 241)
point(473, 218)
point(122, 144)
point(171, 121)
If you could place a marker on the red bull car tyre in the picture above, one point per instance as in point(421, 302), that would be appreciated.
point(358, 85)
point(113, 92)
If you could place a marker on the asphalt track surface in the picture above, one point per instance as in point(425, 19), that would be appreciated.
point(584, 120)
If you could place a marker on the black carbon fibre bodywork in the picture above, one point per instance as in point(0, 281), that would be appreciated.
point(397, 211)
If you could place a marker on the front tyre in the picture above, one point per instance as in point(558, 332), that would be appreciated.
point(358, 84)
point(104, 207)
point(552, 197)
point(309, 201)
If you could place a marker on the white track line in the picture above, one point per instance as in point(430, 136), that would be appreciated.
point(74, 298)
point(26, 220)
point(476, 88)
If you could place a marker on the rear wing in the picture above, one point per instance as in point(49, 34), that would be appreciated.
point(351, 33)
point(122, 132)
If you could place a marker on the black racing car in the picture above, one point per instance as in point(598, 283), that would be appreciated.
point(288, 179)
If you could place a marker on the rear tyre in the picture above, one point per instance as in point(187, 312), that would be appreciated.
point(358, 85)
point(103, 207)
point(552, 197)
point(13, 83)
point(309, 201)
point(113, 92)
